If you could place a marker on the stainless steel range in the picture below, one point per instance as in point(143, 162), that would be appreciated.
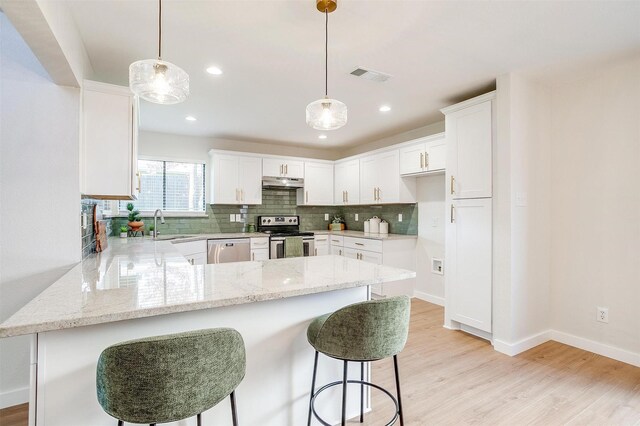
point(280, 227)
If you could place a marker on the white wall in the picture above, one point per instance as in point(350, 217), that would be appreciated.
point(521, 211)
point(430, 195)
point(595, 209)
point(39, 193)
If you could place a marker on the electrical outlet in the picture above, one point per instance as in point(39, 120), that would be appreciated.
point(356, 215)
point(603, 314)
point(399, 217)
point(326, 216)
point(238, 218)
point(232, 217)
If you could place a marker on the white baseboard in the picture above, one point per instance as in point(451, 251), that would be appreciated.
point(436, 300)
point(596, 347)
point(612, 352)
point(520, 346)
point(14, 397)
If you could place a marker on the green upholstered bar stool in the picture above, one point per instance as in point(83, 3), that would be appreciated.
point(169, 378)
point(362, 332)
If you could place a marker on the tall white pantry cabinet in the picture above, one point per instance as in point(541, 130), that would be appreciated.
point(470, 131)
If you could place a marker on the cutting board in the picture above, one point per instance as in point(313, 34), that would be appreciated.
point(101, 235)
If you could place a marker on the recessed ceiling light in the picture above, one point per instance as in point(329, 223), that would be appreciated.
point(322, 137)
point(214, 70)
point(384, 108)
point(190, 118)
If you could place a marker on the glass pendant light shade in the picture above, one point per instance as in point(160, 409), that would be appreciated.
point(326, 114)
point(158, 81)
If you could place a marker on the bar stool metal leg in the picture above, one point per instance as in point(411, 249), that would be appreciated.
point(313, 386)
point(344, 393)
point(395, 366)
point(362, 392)
point(234, 413)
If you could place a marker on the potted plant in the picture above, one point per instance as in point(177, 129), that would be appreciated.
point(134, 218)
point(151, 229)
point(123, 231)
point(337, 224)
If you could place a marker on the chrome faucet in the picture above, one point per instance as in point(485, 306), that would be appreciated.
point(155, 222)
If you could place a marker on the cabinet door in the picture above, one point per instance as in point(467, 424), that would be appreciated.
point(109, 142)
point(388, 171)
point(322, 250)
point(260, 254)
point(371, 257)
point(412, 159)
point(272, 167)
point(337, 250)
point(436, 155)
point(293, 169)
point(351, 253)
point(250, 179)
point(469, 137)
point(197, 258)
point(318, 184)
point(226, 188)
point(347, 182)
point(468, 247)
point(368, 180)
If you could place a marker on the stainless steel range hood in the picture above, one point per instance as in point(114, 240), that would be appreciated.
point(282, 182)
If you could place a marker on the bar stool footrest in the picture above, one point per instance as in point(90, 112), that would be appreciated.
point(359, 382)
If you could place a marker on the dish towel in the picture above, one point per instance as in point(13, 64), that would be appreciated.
point(293, 247)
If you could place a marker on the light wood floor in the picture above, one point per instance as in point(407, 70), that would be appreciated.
point(451, 378)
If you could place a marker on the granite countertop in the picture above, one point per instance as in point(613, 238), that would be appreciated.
point(360, 234)
point(140, 277)
point(184, 238)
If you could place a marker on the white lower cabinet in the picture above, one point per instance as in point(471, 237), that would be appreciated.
point(260, 248)
point(259, 254)
point(194, 251)
point(336, 245)
point(321, 244)
point(468, 253)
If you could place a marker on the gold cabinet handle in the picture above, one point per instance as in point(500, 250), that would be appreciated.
point(307, 197)
point(253, 256)
point(241, 194)
point(315, 251)
point(281, 169)
point(452, 212)
point(347, 196)
point(374, 194)
point(426, 160)
point(359, 244)
point(139, 188)
point(340, 252)
point(421, 160)
point(452, 183)
point(286, 169)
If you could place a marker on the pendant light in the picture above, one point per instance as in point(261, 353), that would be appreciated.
point(326, 113)
point(159, 81)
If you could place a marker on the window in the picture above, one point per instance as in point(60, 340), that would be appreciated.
point(171, 186)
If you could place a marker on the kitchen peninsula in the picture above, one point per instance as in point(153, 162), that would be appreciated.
point(141, 287)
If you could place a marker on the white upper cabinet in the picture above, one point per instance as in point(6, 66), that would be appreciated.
point(347, 183)
point(283, 167)
point(236, 179)
point(469, 133)
point(318, 185)
point(426, 155)
point(109, 142)
point(380, 181)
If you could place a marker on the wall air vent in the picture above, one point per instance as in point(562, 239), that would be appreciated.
point(370, 74)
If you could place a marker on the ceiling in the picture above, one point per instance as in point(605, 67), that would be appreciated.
point(272, 55)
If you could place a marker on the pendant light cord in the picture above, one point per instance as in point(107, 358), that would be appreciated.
point(326, 52)
point(159, 29)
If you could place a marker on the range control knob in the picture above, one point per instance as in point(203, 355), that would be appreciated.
point(290, 220)
point(269, 221)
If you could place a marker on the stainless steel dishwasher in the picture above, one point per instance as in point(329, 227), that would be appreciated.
point(225, 251)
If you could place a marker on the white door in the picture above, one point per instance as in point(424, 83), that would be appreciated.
point(351, 253)
point(318, 184)
point(260, 254)
point(347, 182)
point(250, 179)
point(468, 254)
point(388, 171)
point(469, 136)
point(371, 257)
point(226, 188)
point(368, 180)
point(436, 155)
point(293, 169)
point(272, 167)
point(337, 250)
point(322, 250)
point(412, 159)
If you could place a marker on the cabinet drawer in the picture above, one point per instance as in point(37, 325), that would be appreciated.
point(363, 244)
point(259, 243)
point(336, 240)
point(191, 247)
point(321, 240)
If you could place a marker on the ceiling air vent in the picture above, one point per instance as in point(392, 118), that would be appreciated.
point(370, 74)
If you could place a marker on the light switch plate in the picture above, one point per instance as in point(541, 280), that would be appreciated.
point(232, 217)
point(326, 216)
point(399, 217)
